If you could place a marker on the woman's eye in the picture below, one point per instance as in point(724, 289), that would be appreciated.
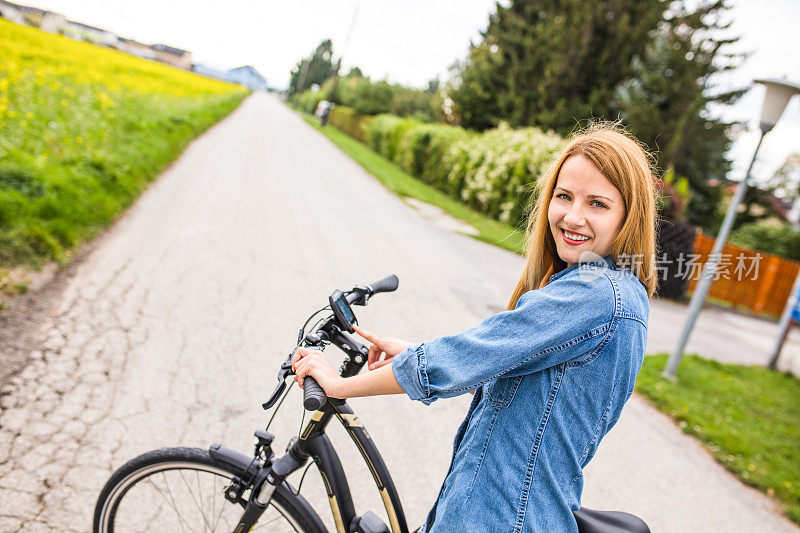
point(563, 196)
point(599, 204)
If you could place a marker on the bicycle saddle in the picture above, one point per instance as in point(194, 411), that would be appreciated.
point(590, 521)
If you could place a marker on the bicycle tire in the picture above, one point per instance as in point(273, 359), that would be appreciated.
point(126, 496)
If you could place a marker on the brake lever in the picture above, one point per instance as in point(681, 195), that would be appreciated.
point(275, 395)
point(284, 372)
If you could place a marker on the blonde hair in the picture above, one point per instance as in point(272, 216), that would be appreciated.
point(623, 161)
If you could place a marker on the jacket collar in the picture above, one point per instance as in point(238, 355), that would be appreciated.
point(603, 262)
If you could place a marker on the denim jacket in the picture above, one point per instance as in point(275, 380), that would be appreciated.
point(550, 379)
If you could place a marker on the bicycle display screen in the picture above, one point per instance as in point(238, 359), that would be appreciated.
point(342, 311)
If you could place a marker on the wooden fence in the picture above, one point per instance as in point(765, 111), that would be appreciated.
point(761, 284)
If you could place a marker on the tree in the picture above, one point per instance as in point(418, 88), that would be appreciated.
point(433, 85)
point(315, 69)
point(355, 72)
point(785, 182)
point(772, 198)
point(666, 101)
point(551, 63)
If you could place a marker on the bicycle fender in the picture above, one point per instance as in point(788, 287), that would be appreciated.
point(241, 462)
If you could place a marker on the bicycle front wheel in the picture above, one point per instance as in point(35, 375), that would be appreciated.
point(181, 489)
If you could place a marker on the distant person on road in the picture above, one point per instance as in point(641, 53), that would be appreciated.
point(551, 374)
point(323, 110)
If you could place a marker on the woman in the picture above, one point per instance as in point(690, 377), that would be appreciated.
point(552, 373)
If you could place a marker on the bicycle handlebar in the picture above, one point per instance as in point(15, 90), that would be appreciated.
point(313, 395)
point(387, 284)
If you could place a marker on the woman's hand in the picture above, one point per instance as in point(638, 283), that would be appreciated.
point(308, 362)
point(390, 347)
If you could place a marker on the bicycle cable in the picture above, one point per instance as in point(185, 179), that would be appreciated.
point(302, 478)
point(302, 332)
point(302, 420)
point(278, 406)
point(300, 337)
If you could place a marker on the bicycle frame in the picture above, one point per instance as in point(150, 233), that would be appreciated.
point(316, 443)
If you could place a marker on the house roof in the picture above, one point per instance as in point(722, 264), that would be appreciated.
point(26, 9)
point(87, 27)
point(169, 49)
point(250, 70)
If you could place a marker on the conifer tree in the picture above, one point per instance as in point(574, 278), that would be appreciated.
point(666, 102)
point(315, 69)
point(552, 63)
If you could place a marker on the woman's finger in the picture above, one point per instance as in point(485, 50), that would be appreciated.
point(366, 334)
point(379, 364)
point(374, 354)
point(304, 367)
point(300, 353)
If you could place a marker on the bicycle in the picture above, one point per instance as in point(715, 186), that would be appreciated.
point(253, 490)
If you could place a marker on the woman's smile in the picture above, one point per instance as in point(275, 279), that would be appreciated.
point(572, 238)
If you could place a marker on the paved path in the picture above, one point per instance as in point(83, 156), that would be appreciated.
point(722, 335)
point(170, 332)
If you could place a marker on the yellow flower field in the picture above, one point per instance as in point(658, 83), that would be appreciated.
point(83, 129)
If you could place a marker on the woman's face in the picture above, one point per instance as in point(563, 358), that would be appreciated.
point(586, 211)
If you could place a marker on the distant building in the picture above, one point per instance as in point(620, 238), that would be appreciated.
point(32, 16)
point(12, 12)
point(52, 22)
point(84, 32)
point(208, 71)
point(173, 56)
point(247, 76)
point(56, 23)
point(135, 48)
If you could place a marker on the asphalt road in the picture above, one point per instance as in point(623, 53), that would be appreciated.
point(171, 330)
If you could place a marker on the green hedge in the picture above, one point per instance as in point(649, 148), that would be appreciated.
point(493, 172)
point(349, 121)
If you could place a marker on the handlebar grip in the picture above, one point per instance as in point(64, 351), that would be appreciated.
point(387, 284)
point(313, 395)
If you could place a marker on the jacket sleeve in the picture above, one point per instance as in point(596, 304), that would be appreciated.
point(566, 320)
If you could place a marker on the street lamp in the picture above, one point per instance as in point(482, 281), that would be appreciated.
point(778, 94)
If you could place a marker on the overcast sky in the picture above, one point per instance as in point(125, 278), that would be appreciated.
point(412, 41)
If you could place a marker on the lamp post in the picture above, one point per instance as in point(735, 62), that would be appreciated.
point(778, 94)
point(784, 324)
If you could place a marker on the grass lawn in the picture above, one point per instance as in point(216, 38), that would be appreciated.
point(747, 416)
point(403, 184)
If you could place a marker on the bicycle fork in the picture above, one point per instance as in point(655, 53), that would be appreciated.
point(268, 480)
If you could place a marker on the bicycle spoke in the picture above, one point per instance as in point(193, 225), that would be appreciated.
point(200, 493)
point(150, 523)
point(213, 498)
point(169, 501)
point(196, 503)
point(260, 525)
point(216, 520)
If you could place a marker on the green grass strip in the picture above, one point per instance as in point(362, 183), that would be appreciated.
point(747, 416)
point(403, 184)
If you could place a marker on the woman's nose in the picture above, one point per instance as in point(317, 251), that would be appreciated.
point(574, 216)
